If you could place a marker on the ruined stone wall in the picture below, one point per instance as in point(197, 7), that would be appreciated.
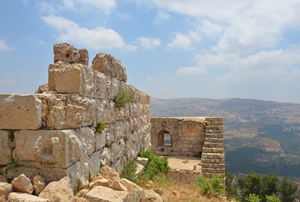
point(192, 136)
point(53, 133)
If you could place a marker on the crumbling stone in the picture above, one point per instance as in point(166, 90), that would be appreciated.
point(38, 184)
point(23, 197)
point(58, 191)
point(5, 189)
point(100, 193)
point(65, 52)
point(84, 56)
point(22, 184)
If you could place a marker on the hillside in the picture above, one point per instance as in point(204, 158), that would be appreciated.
point(263, 136)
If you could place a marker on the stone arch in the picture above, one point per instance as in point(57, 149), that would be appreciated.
point(161, 137)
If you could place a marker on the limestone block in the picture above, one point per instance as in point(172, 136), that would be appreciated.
point(131, 124)
point(105, 156)
point(108, 173)
point(20, 112)
point(71, 79)
point(115, 87)
point(101, 82)
point(121, 71)
point(94, 164)
point(5, 189)
point(78, 172)
point(4, 147)
point(84, 56)
point(142, 161)
point(139, 109)
point(65, 52)
point(110, 133)
point(103, 63)
point(119, 113)
point(102, 112)
point(126, 130)
point(152, 196)
point(100, 139)
point(56, 148)
point(58, 191)
point(100, 193)
point(119, 130)
point(108, 87)
point(135, 123)
point(117, 149)
point(126, 112)
point(111, 112)
point(133, 109)
point(102, 182)
point(87, 138)
point(136, 193)
point(23, 197)
point(68, 111)
point(22, 184)
point(42, 89)
point(119, 164)
point(38, 184)
point(117, 184)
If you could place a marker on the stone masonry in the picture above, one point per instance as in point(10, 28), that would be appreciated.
point(192, 136)
point(53, 133)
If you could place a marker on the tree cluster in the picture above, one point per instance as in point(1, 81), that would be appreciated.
point(254, 187)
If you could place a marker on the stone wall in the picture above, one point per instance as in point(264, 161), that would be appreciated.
point(53, 133)
point(192, 136)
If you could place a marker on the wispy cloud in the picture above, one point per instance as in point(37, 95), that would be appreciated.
point(161, 16)
point(4, 46)
point(191, 70)
point(40, 41)
point(181, 41)
point(98, 38)
point(151, 79)
point(5, 82)
point(148, 43)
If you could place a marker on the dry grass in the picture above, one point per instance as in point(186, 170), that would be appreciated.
point(173, 192)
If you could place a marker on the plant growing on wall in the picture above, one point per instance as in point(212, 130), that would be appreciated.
point(100, 127)
point(125, 96)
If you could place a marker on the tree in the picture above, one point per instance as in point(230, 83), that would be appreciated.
point(287, 191)
point(251, 184)
point(269, 186)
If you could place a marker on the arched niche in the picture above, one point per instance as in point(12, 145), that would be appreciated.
point(164, 138)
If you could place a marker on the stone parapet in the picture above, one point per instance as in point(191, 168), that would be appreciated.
point(72, 126)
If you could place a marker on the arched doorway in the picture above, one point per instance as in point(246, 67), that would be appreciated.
point(164, 138)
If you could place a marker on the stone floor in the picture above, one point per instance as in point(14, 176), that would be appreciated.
point(184, 162)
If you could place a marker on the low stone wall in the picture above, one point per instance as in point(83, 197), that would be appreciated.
point(54, 133)
point(184, 176)
point(192, 136)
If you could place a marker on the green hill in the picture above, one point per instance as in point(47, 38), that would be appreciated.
point(263, 136)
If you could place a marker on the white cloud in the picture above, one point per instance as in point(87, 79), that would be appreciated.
point(44, 7)
point(4, 46)
point(98, 38)
point(148, 43)
point(181, 41)
point(161, 16)
point(40, 41)
point(243, 26)
point(6, 81)
point(106, 6)
point(263, 65)
point(124, 16)
point(191, 70)
point(151, 79)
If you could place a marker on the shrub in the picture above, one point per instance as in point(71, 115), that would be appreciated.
point(252, 198)
point(210, 185)
point(204, 184)
point(272, 198)
point(156, 165)
point(124, 97)
point(129, 170)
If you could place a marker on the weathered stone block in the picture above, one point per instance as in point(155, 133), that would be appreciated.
point(5, 147)
point(53, 149)
point(84, 56)
point(87, 138)
point(115, 87)
point(71, 79)
point(67, 111)
point(65, 52)
point(101, 84)
point(103, 63)
point(100, 193)
point(94, 164)
point(100, 139)
point(101, 113)
point(20, 112)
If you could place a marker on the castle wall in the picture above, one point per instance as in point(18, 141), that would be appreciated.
point(54, 133)
point(192, 136)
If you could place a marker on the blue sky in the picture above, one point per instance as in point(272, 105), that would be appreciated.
point(171, 48)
